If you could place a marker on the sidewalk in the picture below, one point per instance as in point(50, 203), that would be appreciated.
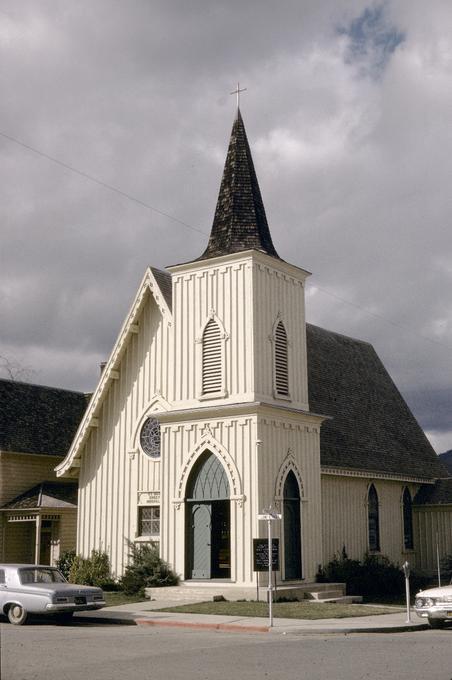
point(143, 614)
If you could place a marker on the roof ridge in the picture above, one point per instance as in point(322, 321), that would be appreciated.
point(41, 387)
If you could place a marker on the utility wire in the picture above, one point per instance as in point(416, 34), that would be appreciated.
point(100, 182)
point(110, 187)
point(380, 316)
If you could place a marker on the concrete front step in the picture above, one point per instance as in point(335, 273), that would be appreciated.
point(343, 599)
point(324, 594)
point(195, 591)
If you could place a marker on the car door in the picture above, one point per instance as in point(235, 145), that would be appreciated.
point(3, 588)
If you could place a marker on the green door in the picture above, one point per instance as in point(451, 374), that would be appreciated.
point(207, 538)
point(201, 528)
point(292, 528)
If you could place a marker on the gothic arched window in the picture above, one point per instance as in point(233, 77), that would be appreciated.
point(211, 358)
point(408, 542)
point(373, 519)
point(281, 360)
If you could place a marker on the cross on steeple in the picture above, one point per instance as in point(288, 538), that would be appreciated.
point(237, 92)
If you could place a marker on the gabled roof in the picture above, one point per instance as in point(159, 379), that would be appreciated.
point(37, 419)
point(158, 284)
point(372, 427)
point(46, 495)
point(439, 493)
point(240, 222)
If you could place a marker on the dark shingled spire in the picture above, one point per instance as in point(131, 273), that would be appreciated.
point(240, 222)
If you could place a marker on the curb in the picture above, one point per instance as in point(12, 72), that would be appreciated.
point(237, 628)
point(228, 627)
point(349, 631)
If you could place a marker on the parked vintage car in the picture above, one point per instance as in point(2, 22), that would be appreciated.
point(435, 604)
point(35, 589)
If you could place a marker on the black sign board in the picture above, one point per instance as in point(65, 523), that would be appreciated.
point(260, 554)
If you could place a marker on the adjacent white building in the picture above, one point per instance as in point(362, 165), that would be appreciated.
point(218, 400)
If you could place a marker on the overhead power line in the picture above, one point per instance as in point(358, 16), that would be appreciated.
point(138, 201)
point(100, 182)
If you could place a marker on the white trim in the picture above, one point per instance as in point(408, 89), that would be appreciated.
point(370, 474)
point(209, 443)
point(148, 284)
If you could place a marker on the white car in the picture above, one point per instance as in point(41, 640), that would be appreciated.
point(35, 589)
point(435, 604)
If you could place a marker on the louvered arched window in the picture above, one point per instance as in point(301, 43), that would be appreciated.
point(211, 359)
point(408, 542)
point(281, 361)
point(373, 519)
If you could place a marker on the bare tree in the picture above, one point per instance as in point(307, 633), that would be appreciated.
point(12, 369)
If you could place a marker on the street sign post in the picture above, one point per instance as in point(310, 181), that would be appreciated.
point(269, 516)
point(406, 571)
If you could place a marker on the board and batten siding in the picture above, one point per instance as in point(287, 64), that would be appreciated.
point(225, 294)
point(279, 296)
point(233, 441)
point(112, 472)
point(345, 517)
point(432, 527)
point(291, 443)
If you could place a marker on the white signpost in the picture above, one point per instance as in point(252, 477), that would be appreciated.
point(269, 516)
point(406, 571)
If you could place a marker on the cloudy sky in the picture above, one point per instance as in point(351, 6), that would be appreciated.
point(114, 123)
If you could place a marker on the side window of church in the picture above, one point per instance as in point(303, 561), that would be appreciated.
point(211, 359)
point(373, 519)
point(408, 542)
point(281, 361)
point(150, 438)
point(149, 521)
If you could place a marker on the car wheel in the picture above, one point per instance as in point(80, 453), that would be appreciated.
point(436, 623)
point(17, 615)
point(65, 617)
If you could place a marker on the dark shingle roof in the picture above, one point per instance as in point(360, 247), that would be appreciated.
point(37, 419)
point(446, 459)
point(165, 284)
point(439, 493)
point(46, 495)
point(240, 222)
point(372, 427)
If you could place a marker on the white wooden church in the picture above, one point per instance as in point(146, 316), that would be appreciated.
point(218, 401)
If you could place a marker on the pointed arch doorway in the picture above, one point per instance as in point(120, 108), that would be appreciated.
point(208, 523)
point(292, 528)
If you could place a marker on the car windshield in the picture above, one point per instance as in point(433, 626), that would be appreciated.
point(40, 575)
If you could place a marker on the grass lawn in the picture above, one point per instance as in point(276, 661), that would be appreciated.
point(113, 598)
point(283, 610)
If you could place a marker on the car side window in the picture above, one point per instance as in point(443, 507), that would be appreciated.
point(2, 576)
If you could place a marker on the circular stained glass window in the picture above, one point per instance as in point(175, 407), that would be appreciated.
point(150, 437)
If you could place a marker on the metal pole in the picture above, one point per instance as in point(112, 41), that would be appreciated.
point(437, 561)
point(407, 593)
point(270, 585)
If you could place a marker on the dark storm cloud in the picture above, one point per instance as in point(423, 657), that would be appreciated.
point(355, 171)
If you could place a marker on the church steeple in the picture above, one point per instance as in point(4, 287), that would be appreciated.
point(240, 222)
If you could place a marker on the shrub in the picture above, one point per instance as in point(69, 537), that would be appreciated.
point(146, 570)
point(64, 563)
point(92, 571)
point(446, 568)
point(374, 576)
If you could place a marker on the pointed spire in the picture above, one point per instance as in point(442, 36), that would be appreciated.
point(240, 222)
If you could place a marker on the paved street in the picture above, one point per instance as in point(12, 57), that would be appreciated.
point(49, 652)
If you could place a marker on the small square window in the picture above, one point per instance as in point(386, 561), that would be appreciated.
point(149, 521)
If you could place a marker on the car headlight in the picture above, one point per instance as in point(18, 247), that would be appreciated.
point(61, 599)
point(419, 602)
point(428, 602)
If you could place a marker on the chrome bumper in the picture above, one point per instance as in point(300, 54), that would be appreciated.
point(71, 607)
